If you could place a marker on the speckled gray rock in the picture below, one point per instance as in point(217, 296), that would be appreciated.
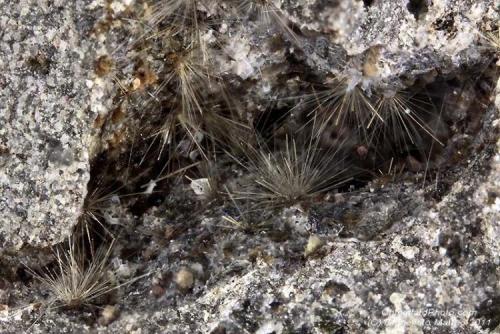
point(46, 114)
point(417, 259)
point(400, 38)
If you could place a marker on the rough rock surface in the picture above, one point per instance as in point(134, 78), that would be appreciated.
point(393, 257)
point(46, 113)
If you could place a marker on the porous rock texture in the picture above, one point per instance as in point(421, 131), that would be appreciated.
point(47, 106)
point(414, 259)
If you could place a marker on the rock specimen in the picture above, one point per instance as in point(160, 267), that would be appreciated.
point(406, 252)
point(47, 107)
